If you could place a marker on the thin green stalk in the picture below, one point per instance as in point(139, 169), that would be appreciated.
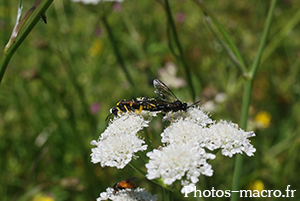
point(143, 156)
point(170, 43)
point(228, 51)
point(148, 140)
point(178, 44)
point(156, 181)
point(21, 31)
point(247, 97)
point(137, 168)
point(167, 195)
point(263, 41)
point(238, 166)
point(116, 50)
point(226, 36)
point(279, 37)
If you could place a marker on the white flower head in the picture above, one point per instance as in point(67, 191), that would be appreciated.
point(178, 161)
point(222, 135)
point(117, 150)
point(94, 2)
point(137, 194)
point(127, 123)
point(118, 144)
point(195, 114)
point(148, 115)
point(230, 138)
point(187, 131)
point(183, 131)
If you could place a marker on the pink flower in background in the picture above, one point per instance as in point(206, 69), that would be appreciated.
point(117, 7)
point(94, 108)
point(180, 17)
point(98, 31)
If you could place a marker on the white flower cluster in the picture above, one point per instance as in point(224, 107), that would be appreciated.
point(230, 138)
point(221, 135)
point(95, 2)
point(187, 138)
point(118, 143)
point(175, 161)
point(187, 141)
point(138, 194)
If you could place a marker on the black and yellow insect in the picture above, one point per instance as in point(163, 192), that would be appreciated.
point(158, 104)
point(136, 105)
point(124, 185)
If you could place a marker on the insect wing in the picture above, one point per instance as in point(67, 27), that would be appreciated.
point(161, 90)
point(130, 179)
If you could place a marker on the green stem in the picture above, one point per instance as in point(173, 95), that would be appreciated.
point(228, 51)
point(247, 97)
point(178, 44)
point(167, 195)
point(156, 181)
point(116, 50)
point(143, 156)
point(279, 37)
point(263, 40)
point(3, 64)
point(21, 32)
point(238, 166)
point(223, 32)
point(136, 168)
point(148, 140)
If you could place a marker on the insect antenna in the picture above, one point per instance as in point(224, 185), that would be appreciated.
point(194, 104)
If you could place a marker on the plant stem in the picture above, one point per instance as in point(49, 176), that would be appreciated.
point(148, 140)
point(178, 44)
point(247, 97)
point(136, 168)
point(281, 35)
point(223, 32)
point(262, 43)
point(116, 50)
point(167, 195)
point(241, 67)
point(156, 181)
point(21, 32)
point(238, 166)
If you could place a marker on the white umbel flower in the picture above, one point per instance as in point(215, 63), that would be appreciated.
point(175, 161)
point(119, 142)
point(117, 150)
point(127, 123)
point(184, 131)
point(138, 194)
point(230, 138)
point(95, 2)
point(194, 114)
point(197, 115)
point(223, 135)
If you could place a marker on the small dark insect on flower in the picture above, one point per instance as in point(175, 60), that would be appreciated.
point(124, 185)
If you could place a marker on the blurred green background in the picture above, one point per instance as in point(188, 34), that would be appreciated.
point(64, 78)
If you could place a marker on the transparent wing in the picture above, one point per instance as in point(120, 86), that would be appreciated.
point(130, 179)
point(162, 90)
